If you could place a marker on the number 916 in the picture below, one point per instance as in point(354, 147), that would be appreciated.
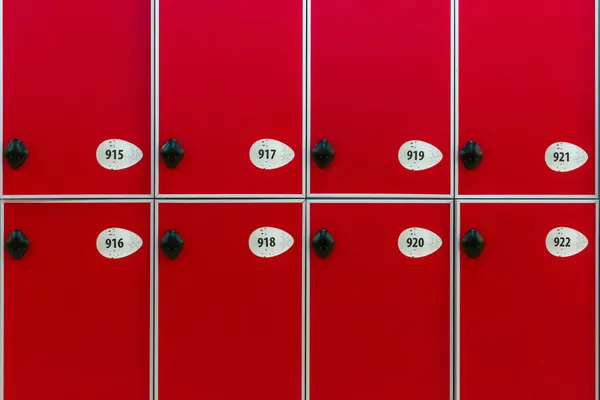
point(114, 243)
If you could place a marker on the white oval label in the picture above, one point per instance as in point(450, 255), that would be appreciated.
point(565, 242)
point(565, 157)
point(270, 154)
point(118, 243)
point(416, 155)
point(270, 242)
point(117, 154)
point(418, 242)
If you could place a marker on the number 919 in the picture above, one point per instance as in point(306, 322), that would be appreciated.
point(415, 155)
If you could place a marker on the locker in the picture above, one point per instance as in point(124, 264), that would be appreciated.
point(527, 316)
point(231, 102)
point(380, 82)
point(76, 310)
point(76, 97)
point(230, 322)
point(379, 300)
point(526, 97)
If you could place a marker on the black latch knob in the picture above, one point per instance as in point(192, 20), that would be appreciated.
point(15, 153)
point(171, 244)
point(471, 155)
point(16, 244)
point(473, 243)
point(323, 154)
point(323, 243)
point(171, 153)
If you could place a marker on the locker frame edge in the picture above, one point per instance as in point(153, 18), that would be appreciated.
point(153, 291)
point(154, 93)
point(457, 247)
point(451, 276)
point(1, 295)
point(1, 117)
point(155, 382)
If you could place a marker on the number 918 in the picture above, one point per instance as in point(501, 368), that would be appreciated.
point(266, 242)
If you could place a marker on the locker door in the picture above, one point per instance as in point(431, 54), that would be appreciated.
point(380, 301)
point(527, 303)
point(76, 87)
point(230, 301)
point(380, 97)
point(231, 97)
point(76, 322)
point(527, 97)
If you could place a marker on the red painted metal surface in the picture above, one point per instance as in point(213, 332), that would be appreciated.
point(527, 318)
point(379, 321)
point(230, 323)
point(230, 75)
point(76, 73)
point(526, 81)
point(380, 76)
point(76, 324)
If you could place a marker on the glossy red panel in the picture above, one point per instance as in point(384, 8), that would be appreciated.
point(527, 318)
point(230, 75)
point(230, 323)
point(379, 320)
point(526, 81)
point(380, 76)
point(76, 73)
point(76, 324)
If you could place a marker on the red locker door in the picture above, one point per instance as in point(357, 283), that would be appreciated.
point(230, 302)
point(380, 97)
point(380, 302)
point(527, 303)
point(231, 97)
point(76, 97)
point(527, 97)
point(76, 322)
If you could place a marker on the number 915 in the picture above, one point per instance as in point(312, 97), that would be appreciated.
point(114, 154)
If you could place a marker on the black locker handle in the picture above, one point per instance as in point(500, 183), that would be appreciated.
point(171, 244)
point(15, 153)
point(323, 154)
point(16, 244)
point(471, 155)
point(171, 153)
point(473, 243)
point(323, 243)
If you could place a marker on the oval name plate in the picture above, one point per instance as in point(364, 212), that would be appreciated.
point(117, 154)
point(416, 155)
point(565, 157)
point(565, 242)
point(270, 242)
point(418, 242)
point(117, 243)
point(270, 154)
